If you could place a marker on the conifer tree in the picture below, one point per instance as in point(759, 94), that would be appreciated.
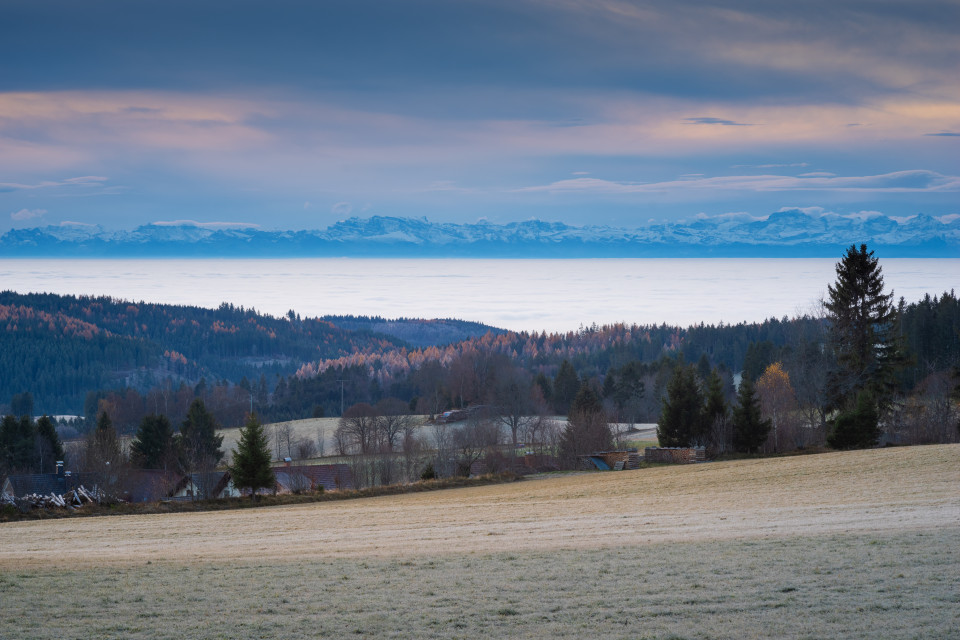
point(251, 459)
point(51, 447)
point(750, 430)
point(18, 444)
point(703, 367)
point(546, 388)
point(104, 458)
point(153, 446)
point(565, 388)
point(628, 387)
point(856, 428)
point(103, 445)
point(716, 413)
point(863, 334)
point(199, 441)
point(681, 415)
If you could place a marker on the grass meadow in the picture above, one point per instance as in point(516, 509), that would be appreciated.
point(843, 545)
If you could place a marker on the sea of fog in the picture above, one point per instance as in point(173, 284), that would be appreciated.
point(554, 295)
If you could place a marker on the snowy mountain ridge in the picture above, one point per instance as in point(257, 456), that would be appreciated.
point(788, 233)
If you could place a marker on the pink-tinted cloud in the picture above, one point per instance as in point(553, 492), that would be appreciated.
point(915, 181)
point(28, 214)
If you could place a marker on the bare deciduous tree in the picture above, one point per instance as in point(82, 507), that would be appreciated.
point(512, 399)
point(283, 435)
point(478, 437)
point(392, 419)
point(929, 416)
point(357, 429)
point(321, 441)
point(305, 448)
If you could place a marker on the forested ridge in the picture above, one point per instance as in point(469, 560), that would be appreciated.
point(415, 331)
point(60, 347)
point(75, 353)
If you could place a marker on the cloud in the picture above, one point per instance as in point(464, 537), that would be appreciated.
point(821, 212)
point(770, 166)
point(342, 209)
point(945, 134)
point(915, 181)
point(720, 121)
point(205, 225)
point(74, 223)
point(814, 212)
point(79, 182)
point(735, 216)
point(27, 214)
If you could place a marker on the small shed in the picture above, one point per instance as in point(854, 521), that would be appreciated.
point(618, 460)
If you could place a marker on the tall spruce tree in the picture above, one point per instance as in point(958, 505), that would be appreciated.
point(18, 451)
point(863, 334)
point(153, 446)
point(681, 415)
point(199, 442)
point(628, 387)
point(716, 413)
point(565, 388)
point(251, 459)
point(750, 430)
point(50, 446)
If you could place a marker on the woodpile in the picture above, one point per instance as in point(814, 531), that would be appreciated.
point(676, 455)
point(72, 499)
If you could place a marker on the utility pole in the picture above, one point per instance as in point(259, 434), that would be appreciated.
point(341, 396)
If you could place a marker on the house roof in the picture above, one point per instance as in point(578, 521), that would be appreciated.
point(38, 483)
point(329, 476)
point(216, 481)
point(147, 485)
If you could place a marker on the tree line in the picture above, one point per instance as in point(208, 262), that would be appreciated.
point(630, 368)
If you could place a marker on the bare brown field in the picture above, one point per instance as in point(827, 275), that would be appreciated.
point(900, 488)
point(856, 545)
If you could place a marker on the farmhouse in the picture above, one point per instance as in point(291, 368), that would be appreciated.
point(209, 485)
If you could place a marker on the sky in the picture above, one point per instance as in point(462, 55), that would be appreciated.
point(297, 114)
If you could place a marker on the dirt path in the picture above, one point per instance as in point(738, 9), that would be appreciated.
point(878, 490)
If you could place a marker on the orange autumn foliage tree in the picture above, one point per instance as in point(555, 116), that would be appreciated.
point(778, 403)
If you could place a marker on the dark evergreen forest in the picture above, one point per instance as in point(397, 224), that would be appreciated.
point(80, 355)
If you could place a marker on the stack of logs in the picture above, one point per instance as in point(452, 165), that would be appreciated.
point(70, 500)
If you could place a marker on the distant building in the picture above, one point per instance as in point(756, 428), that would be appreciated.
point(132, 485)
point(300, 478)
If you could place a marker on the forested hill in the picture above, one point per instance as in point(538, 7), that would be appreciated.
point(416, 332)
point(60, 347)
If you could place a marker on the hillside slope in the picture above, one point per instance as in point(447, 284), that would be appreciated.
point(60, 347)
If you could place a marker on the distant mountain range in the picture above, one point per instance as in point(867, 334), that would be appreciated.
point(790, 233)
